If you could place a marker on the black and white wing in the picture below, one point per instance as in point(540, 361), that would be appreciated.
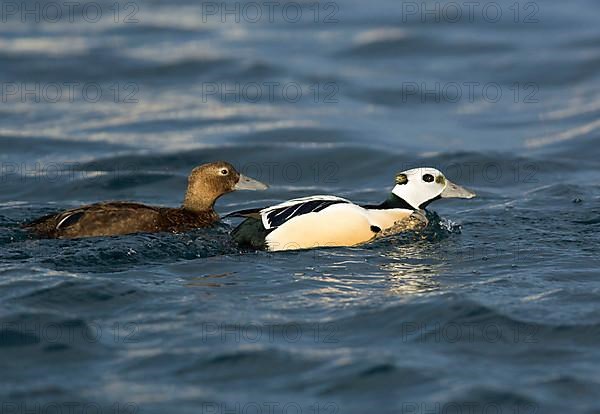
point(274, 216)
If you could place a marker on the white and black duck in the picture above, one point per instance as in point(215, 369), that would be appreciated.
point(330, 221)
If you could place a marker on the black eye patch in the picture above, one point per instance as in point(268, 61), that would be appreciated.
point(428, 178)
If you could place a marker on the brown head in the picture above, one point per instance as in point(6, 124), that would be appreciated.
point(210, 181)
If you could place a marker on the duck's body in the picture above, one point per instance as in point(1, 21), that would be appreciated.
point(116, 218)
point(329, 221)
point(319, 221)
point(206, 184)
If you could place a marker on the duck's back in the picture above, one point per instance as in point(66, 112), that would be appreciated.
point(117, 218)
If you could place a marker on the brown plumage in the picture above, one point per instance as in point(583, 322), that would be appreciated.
point(206, 184)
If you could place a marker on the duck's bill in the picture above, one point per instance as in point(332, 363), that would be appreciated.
point(247, 183)
point(456, 191)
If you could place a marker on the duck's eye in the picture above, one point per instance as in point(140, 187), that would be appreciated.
point(224, 171)
point(428, 178)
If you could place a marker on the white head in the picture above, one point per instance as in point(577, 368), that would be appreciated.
point(420, 186)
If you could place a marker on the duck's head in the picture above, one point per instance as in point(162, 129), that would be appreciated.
point(210, 181)
point(420, 186)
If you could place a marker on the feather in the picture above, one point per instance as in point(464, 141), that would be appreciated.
point(251, 213)
point(70, 219)
point(277, 215)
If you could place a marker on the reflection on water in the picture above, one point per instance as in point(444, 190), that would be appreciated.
point(210, 280)
point(410, 271)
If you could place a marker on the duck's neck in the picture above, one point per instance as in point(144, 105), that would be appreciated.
point(393, 201)
point(198, 206)
point(201, 195)
point(200, 200)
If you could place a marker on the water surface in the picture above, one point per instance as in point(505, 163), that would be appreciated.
point(495, 310)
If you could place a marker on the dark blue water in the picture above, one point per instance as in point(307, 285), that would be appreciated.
point(494, 310)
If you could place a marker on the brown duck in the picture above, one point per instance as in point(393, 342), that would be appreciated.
point(206, 184)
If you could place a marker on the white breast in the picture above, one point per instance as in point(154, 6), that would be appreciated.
point(387, 218)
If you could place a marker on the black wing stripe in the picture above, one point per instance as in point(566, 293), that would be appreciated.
point(293, 213)
point(244, 213)
point(282, 211)
point(277, 218)
point(70, 220)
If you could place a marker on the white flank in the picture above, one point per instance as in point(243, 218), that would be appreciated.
point(337, 225)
